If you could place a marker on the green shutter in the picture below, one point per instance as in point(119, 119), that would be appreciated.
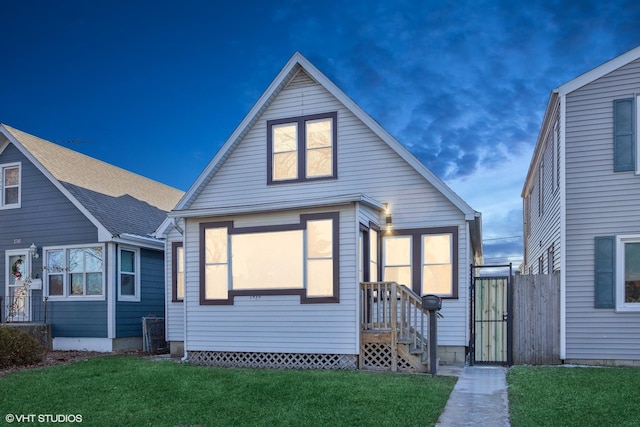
point(624, 151)
point(605, 272)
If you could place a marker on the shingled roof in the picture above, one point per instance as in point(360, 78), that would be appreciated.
point(121, 201)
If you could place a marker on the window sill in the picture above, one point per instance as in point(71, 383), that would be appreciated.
point(59, 298)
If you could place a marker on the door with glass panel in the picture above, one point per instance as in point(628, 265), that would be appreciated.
point(17, 304)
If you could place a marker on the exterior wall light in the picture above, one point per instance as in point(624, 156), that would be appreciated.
point(387, 212)
point(33, 250)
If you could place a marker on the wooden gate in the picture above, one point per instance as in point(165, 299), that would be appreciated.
point(491, 320)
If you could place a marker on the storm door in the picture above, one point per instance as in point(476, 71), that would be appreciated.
point(16, 305)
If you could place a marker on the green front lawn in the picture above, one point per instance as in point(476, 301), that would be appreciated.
point(573, 396)
point(125, 390)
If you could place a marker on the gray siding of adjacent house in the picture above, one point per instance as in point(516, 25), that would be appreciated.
point(541, 208)
point(366, 165)
point(46, 218)
point(174, 310)
point(129, 314)
point(599, 202)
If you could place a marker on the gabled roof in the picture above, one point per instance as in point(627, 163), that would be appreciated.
point(293, 66)
point(600, 71)
point(568, 87)
point(117, 201)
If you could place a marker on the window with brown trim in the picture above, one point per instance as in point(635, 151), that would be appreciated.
point(177, 272)
point(296, 259)
point(425, 260)
point(302, 148)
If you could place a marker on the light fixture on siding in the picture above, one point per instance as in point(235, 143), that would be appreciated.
point(387, 213)
point(33, 250)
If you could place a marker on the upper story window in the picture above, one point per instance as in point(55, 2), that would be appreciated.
point(625, 135)
point(10, 185)
point(302, 148)
point(74, 272)
point(129, 274)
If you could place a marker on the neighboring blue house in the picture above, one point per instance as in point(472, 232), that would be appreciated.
point(76, 249)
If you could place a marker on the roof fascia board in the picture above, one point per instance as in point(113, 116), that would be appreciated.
point(140, 241)
point(279, 206)
point(384, 135)
point(550, 110)
point(103, 234)
point(248, 120)
point(599, 71)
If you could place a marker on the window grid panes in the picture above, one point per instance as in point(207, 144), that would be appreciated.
point(271, 260)
point(437, 274)
point(397, 260)
point(302, 148)
point(75, 272)
point(319, 258)
point(180, 273)
point(285, 151)
point(632, 272)
point(319, 148)
point(10, 185)
point(127, 272)
point(216, 265)
point(373, 255)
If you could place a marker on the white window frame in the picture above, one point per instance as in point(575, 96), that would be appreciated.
point(65, 274)
point(622, 306)
point(3, 167)
point(136, 273)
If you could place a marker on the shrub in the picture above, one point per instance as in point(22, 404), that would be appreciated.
point(17, 348)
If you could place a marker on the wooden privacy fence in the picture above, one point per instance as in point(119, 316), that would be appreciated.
point(536, 319)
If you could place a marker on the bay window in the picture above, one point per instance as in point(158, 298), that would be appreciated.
point(299, 259)
point(74, 272)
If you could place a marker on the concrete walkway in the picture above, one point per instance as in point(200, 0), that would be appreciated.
point(478, 399)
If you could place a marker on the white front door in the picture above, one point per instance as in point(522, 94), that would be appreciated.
point(17, 303)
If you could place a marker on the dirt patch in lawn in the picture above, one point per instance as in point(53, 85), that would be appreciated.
point(54, 358)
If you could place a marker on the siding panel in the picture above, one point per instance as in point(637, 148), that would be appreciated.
point(599, 203)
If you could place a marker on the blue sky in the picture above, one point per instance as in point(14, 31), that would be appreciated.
point(156, 87)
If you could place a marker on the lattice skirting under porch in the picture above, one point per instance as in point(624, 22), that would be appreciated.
point(273, 360)
point(378, 356)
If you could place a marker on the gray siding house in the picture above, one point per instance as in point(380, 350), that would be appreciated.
point(76, 245)
point(581, 200)
point(307, 198)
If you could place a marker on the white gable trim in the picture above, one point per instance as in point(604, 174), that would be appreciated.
point(599, 71)
point(280, 206)
point(285, 75)
point(103, 234)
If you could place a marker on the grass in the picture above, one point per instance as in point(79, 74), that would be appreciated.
point(125, 390)
point(573, 396)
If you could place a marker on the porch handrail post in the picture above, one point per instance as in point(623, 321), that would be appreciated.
point(394, 326)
